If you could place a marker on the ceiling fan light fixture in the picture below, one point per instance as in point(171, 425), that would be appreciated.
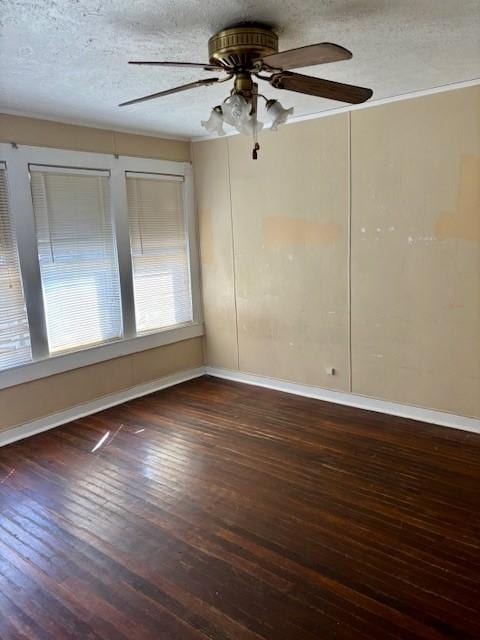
point(248, 51)
point(215, 122)
point(278, 113)
point(236, 111)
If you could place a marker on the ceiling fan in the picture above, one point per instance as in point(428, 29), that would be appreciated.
point(245, 51)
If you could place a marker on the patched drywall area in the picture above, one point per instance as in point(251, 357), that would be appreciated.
point(464, 222)
point(416, 252)
point(212, 193)
point(282, 232)
point(290, 223)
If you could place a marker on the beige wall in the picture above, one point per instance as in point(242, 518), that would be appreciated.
point(276, 247)
point(290, 252)
point(41, 398)
point(212, 192)
point(416, 251)
point(274, 258)
point(46, 133)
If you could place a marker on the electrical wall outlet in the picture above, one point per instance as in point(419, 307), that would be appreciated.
point(330, 371)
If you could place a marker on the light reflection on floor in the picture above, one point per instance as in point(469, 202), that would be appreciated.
point(10, 473)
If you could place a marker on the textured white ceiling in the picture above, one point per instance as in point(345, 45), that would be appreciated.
point(67, 59)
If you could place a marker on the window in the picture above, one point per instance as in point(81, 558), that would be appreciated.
point(14, 334)
point(77, 257)
point(159, 248)
point(103, 262)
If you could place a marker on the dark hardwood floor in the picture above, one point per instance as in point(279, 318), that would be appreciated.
point(220, 510)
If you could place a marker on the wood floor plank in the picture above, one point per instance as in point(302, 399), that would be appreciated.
point(215, 510)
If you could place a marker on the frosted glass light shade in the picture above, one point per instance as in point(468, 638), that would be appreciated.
point(278, 114)
point(215, 123)
point(236, 111)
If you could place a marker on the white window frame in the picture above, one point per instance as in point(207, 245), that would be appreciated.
point(17, 160)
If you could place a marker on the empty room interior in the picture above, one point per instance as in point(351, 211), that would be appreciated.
point(240, 320)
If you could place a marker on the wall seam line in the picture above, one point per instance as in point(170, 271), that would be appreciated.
point(349, 248)
point(234, 275)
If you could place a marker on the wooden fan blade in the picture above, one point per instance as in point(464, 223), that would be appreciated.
point(321, 88)
point(307, 56)
point(194, 65)
point(183, 87)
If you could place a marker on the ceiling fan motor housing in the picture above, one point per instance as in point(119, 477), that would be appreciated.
point(237, 47)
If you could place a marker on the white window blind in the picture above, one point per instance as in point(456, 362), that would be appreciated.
point(159, 246)
point(78, 261)
point(14, 333)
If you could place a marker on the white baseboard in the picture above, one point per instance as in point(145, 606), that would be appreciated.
point(361, 402)
point(352, 400)
point(99, 404)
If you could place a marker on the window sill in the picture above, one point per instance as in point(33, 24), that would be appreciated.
point(68, 361)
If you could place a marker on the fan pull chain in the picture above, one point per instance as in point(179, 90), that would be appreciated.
point(256, 146)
